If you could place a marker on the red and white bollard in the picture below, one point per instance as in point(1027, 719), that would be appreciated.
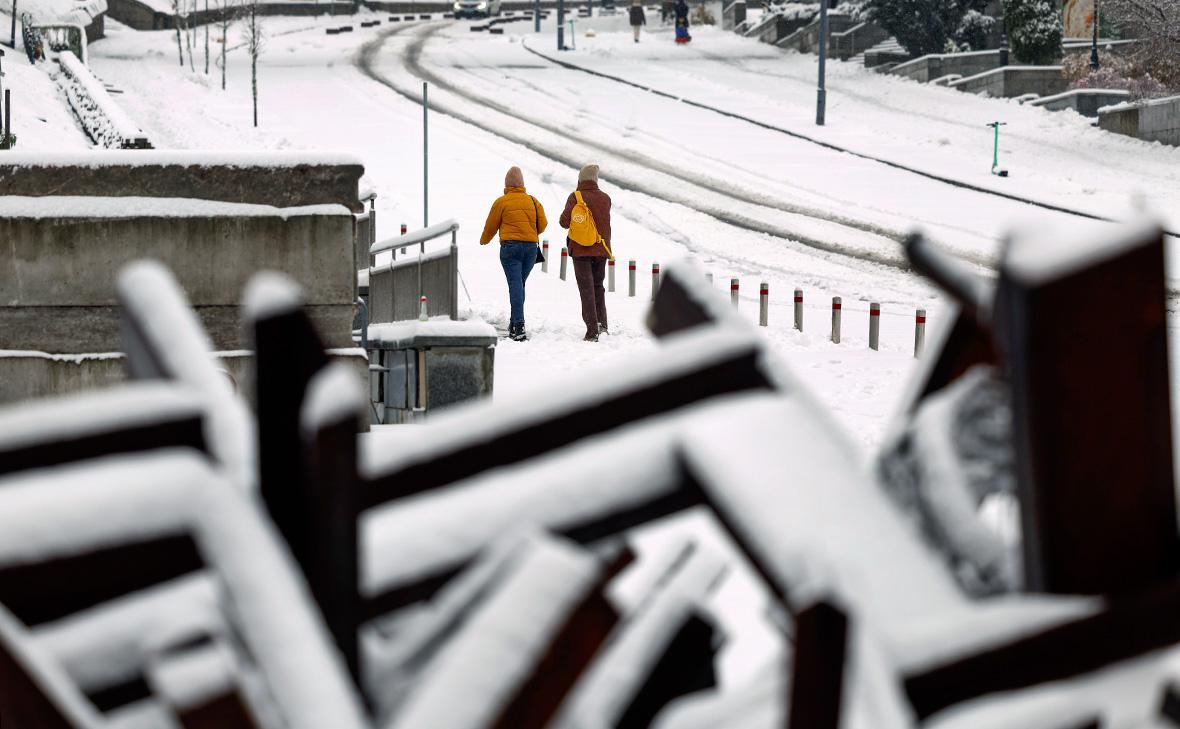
point(799, 309)
point(734, 285)
point(631, 278)
point(422, 315)
point(545, 255)
point(874, 325)
point(404, 229)
point(610, 275)
point(919, 332)
point(764, 304)
point(655, 280)
point(836, 319)
point(565, 254)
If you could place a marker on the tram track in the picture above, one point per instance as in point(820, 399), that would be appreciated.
point(682, 184)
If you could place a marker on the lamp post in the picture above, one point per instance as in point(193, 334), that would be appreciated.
point(821, 94)
point(1094, 42)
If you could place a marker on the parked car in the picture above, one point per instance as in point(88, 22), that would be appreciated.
point(476, 8)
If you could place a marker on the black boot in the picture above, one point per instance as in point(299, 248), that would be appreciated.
point(517, 334)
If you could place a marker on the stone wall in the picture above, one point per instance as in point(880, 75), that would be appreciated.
point(141, 17)
point(927, 68)
point(277, 179)
point(64, 254)
point(1157, 120)
point(1012, 81)
point(1086, 102)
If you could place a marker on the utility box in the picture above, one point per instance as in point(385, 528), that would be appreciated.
point(417, 367)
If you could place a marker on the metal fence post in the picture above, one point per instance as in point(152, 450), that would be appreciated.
point(565, 254)
point(799, 309)
point(835, 320)
point(631, 278)
point(919, 332)
point(733, 291)
point(655, 280)
point(764, 304)
point(874, 325)
point(545, 255)
point(610, 277)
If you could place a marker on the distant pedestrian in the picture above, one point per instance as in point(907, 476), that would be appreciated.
point(638, 17)
point(682, 35)
point(587, 217)
point(519, 219)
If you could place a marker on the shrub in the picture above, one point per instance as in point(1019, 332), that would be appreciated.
point(1034, 29)
point(931, 26)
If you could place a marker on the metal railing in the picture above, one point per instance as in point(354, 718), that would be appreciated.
point(396, 288)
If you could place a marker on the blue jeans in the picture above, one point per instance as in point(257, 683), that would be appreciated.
point(517, 258)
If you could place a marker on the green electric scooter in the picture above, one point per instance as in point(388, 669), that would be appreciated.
point(996, 150)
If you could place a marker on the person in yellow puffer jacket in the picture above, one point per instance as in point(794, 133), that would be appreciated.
point(519, 219)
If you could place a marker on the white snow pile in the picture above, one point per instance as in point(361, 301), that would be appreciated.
point(104, 120)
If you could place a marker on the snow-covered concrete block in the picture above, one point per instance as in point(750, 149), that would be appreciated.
point(58, 284)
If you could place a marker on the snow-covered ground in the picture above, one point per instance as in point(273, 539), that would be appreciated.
point(41, 118)
point(686, 180)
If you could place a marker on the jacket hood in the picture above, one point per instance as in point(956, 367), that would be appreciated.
point(589, 172)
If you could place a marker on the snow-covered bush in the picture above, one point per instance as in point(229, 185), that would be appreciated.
point(1034, 30)
point(931, 26)
point(973, 31)
point(1156, 26)
point(1115, 72)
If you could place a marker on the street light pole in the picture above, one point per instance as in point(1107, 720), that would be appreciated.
point(561, 25)
point(1094, 42)
point(821, 94)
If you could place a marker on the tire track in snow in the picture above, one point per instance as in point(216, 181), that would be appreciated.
point(365, 60)
point(829, 145)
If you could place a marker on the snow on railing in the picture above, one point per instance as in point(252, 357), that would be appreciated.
point(103, 119)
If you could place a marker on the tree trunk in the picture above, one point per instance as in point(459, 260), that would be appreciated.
point(207, 19)
point(254, 83)
point(176, 22)
point(224, 42)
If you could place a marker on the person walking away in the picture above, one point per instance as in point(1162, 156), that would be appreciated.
point(519, 219)
point(587, 217)
point(682, 35)
point(638, 17)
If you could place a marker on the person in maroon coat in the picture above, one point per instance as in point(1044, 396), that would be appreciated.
point(590, 261)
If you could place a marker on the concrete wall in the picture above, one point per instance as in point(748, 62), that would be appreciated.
point(58, 275)
point(927, 68)
point(1086, 102)
point(276, 179)
point(1153, 121)
point(1012, 81)
point(30, 375)
point(141, 17)
point(733, 14)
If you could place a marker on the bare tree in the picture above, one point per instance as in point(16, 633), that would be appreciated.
point(176, 24)
point(252, 20)
point(1156, 23)
point(188, 36)
point(207, 37)
point(227, 16)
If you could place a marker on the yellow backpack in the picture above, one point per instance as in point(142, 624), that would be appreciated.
point(583, 231)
